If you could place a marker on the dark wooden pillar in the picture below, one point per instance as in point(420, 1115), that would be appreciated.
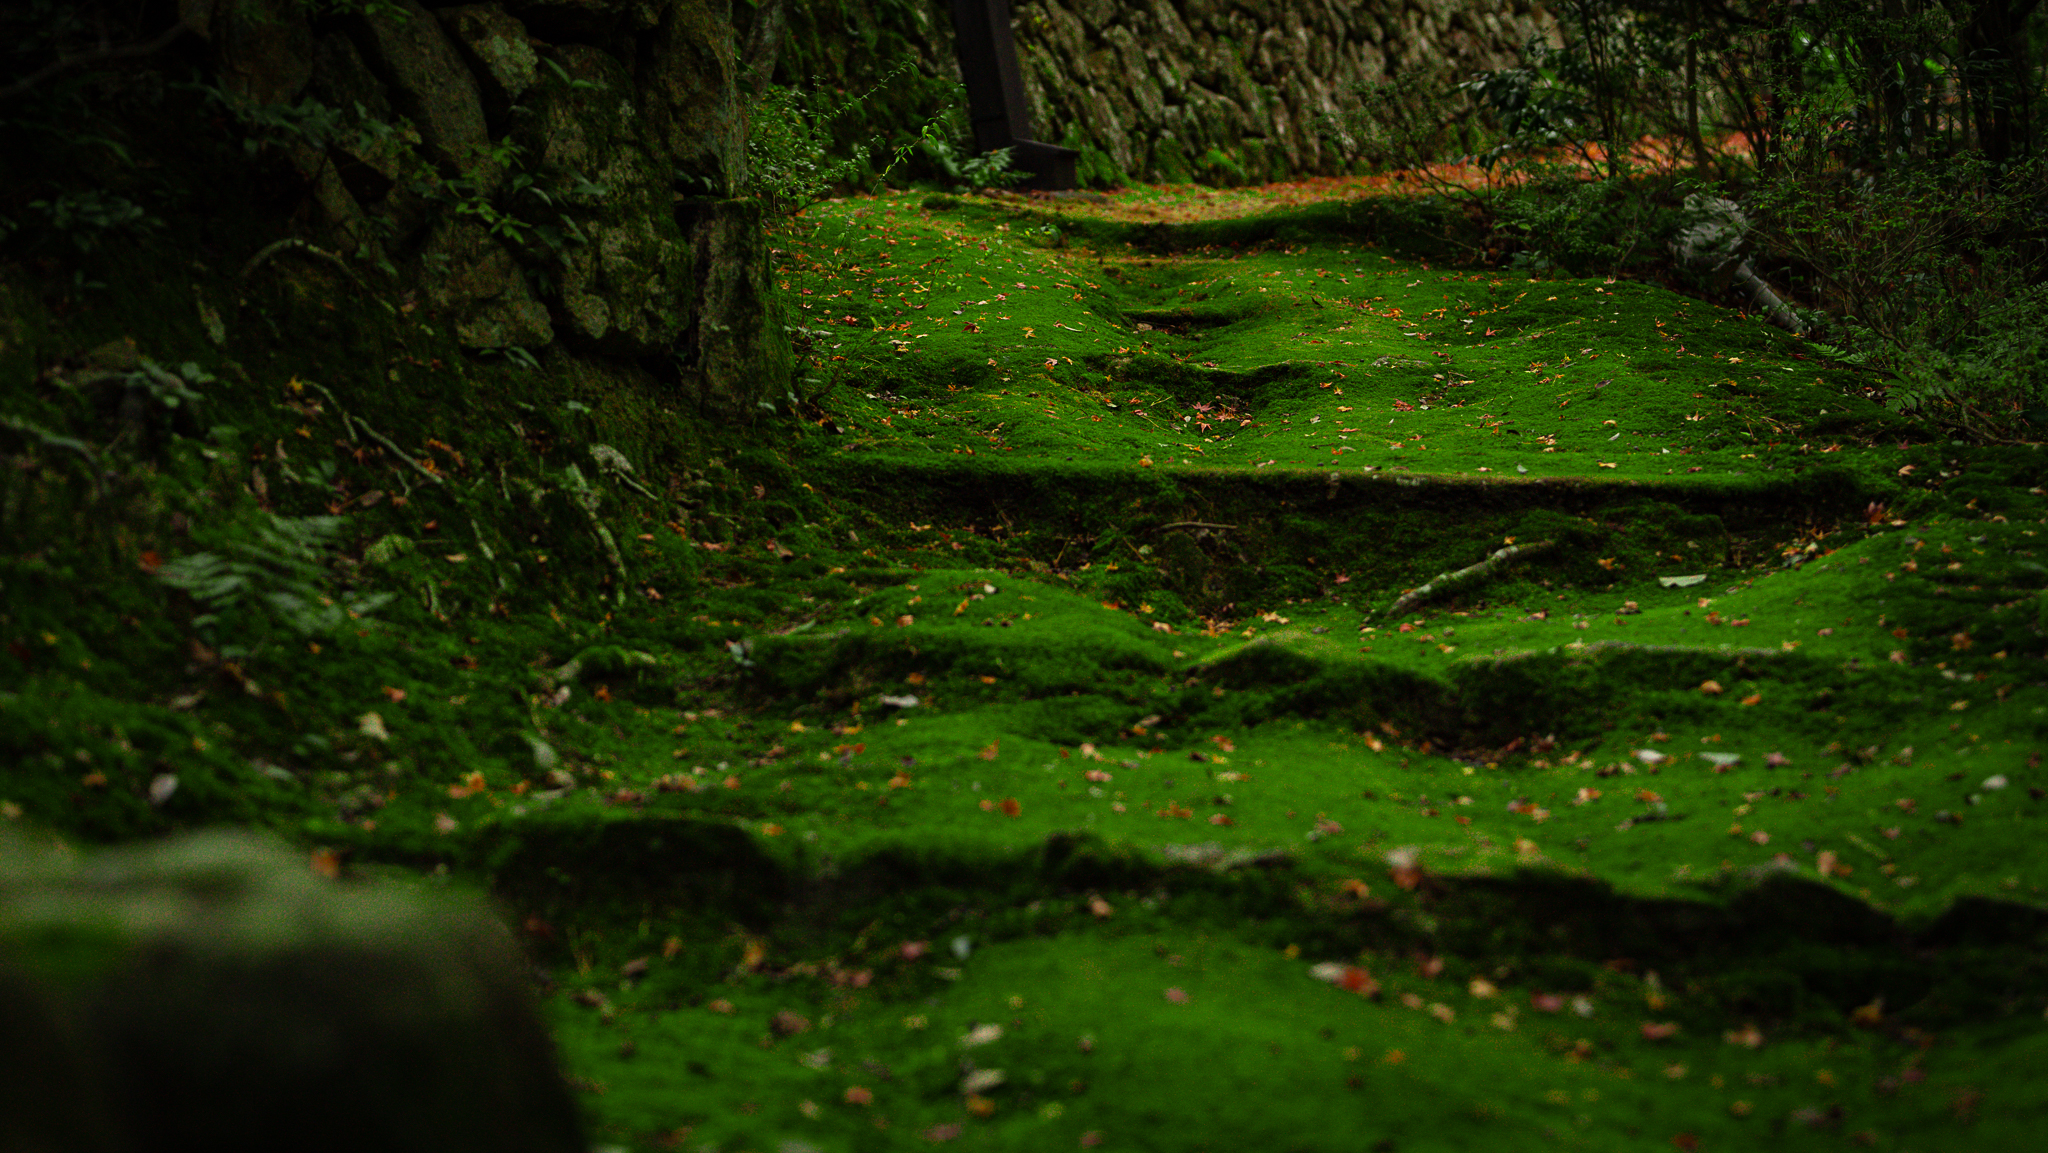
point(995, 94)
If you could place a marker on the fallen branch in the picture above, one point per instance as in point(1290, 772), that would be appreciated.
point(1442, 581)
point(293, 244)
point(1194, 524)
point(66, 63)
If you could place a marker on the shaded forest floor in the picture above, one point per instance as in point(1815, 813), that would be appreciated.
point(950, 759)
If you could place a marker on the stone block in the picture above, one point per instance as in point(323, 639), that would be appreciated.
point(263, 49)
point(474, 280)
point(430, 84)
point(738, 355)
point(494, 45)
point(625, 279)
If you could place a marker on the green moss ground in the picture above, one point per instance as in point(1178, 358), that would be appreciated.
point(1132, 543)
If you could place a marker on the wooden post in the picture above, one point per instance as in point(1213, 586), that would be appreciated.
point(995, 94)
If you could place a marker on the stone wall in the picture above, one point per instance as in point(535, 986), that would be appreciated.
point(535, 172)
point(1226, 91)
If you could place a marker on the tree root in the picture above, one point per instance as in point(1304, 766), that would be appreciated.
point(358, 422)
point(291, 244)
point(1443, 581)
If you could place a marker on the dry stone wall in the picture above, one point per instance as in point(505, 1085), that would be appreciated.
point(539, 174)
point(1226, 91)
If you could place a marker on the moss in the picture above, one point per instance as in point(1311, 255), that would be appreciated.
point(673, 700)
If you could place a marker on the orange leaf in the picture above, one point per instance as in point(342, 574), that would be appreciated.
point(1753, 698)
point(1357, 980)
point(1011, 808)
point(396, 695)
point(856, 1095)
point(327, 863)
point(989, 753)
point(1659, 1030)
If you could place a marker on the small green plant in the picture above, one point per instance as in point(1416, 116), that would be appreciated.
point(265, 576)
point(942, 147)
point(1404, 122)
point(1931, 272)
point(88, 220)
point(788, 152)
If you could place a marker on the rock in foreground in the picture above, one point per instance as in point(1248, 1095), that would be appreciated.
point(213, 992)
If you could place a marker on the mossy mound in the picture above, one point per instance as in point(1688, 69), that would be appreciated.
point(948, 757)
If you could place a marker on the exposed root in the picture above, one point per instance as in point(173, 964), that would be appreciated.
point(358, 422)
point(291, 244)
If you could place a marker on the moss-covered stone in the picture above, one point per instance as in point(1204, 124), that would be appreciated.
point(477, 283)
point(430, 84)
point(625, 282)
point(496, 48)
point(369, 1017)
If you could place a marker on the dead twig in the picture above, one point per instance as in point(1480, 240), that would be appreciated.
point(1442, 581)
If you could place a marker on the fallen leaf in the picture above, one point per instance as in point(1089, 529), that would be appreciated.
point(1010, 807)
point(1659, 1030)
point(1177, 996)
point(1753, 698)
point(1710, 688)
point(857, 1095)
